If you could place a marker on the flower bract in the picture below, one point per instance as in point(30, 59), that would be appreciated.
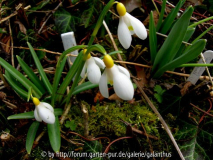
point(129, 25)
point(119, 77)
point(43, 112)
point(92, 68)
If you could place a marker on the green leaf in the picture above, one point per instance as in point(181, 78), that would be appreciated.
point(71, 124)
point(41, 54)
point(30, 115)
point(167, 23)
point(64, 21)
point(31, 136)
point(83, 87)
point(20, 91)
point(29, 94)
point(191, 53)
point(94, 148)
point(195, 142)
point(173, 42)
point(22, 79)
point(158, 97)
point(31, 74)
point(54, 135)
point(152, 38)
point(87, 15)
point(2, 30)
point(40, 69)
point(161, 15)
point(159, 90)
point(41, 5)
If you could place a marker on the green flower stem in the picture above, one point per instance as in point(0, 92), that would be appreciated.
point(100, 21)
point(196, 65)
point(202, 34)
point(201, 21)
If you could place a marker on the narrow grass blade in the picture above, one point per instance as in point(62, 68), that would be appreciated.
point(54, 135)
point(152, 38)
point(21, 92)
point(40, 69)
point(30, 115)
point(201, 21)
point(188, 35)
point(202, 34)
point(161, 15)
point(69, 77)
point(31, 74)
point(173, 42)
point(187, 56)
point(83, 87)
point(31, 136)
point(167, 23)
point(21, 78)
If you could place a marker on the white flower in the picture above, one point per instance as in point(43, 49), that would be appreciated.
point(92, 68)
point(129, 25)
point(119, 77)
point(43, 112)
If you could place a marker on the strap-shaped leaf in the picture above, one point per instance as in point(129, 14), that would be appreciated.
point(40, 69)
point(30, 115)
point(22, 93)
point(167, 23)
point(54, 135)
point(161, 15)
point(31, 136)
point(173, 42)
point(83, 87)
point(152, 38)
point(21, 78)
point(69, 77)
point(187, 56)
point(31, 74)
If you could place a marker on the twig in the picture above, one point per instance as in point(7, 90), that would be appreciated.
point(10, 105)
point(86, 119)
point(63, 116)
point(201, 110)
point(49, 17)
point(13, 14)
point(70, 141)
point(153, 108)
point(39, 137)
point(11, 37)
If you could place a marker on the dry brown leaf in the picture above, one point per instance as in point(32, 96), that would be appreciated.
point(98, 97)
point(131, 4)
point(114, 97)
point(155, 16)
point(21, 27)
point(141, 75)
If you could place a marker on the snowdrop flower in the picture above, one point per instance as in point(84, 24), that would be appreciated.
point(119, 77)
point(92, 68)
point(43, 111)
point(129, 25)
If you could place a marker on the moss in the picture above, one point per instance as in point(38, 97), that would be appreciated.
point(109, 119)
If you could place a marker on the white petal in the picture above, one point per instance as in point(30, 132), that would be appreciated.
point(93, 73)
point(99, 62)
point(83, 71)
point(46, 115)
point(48, 106)
point(103, 87)
point(124, 34)
point(123, 86)
point(36, 115)
point(138, 27)
point(123, 70)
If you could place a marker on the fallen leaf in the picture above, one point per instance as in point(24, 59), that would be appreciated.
point(114, 97)
point(141, 75)
point(98, 97)
point(155, 16)
point(131, 4)
point(21, 27)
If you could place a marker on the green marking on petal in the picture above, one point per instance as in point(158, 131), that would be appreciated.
point(130, 28)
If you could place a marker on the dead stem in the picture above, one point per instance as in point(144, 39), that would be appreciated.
point(86, 119)
point(13, 14)
point(11, 37)
point(151, 105)
point(63, 116)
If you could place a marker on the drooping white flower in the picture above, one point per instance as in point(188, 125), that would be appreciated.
point(129, 25)
point(92, 68)
point(43, 112)
point(119, 77)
